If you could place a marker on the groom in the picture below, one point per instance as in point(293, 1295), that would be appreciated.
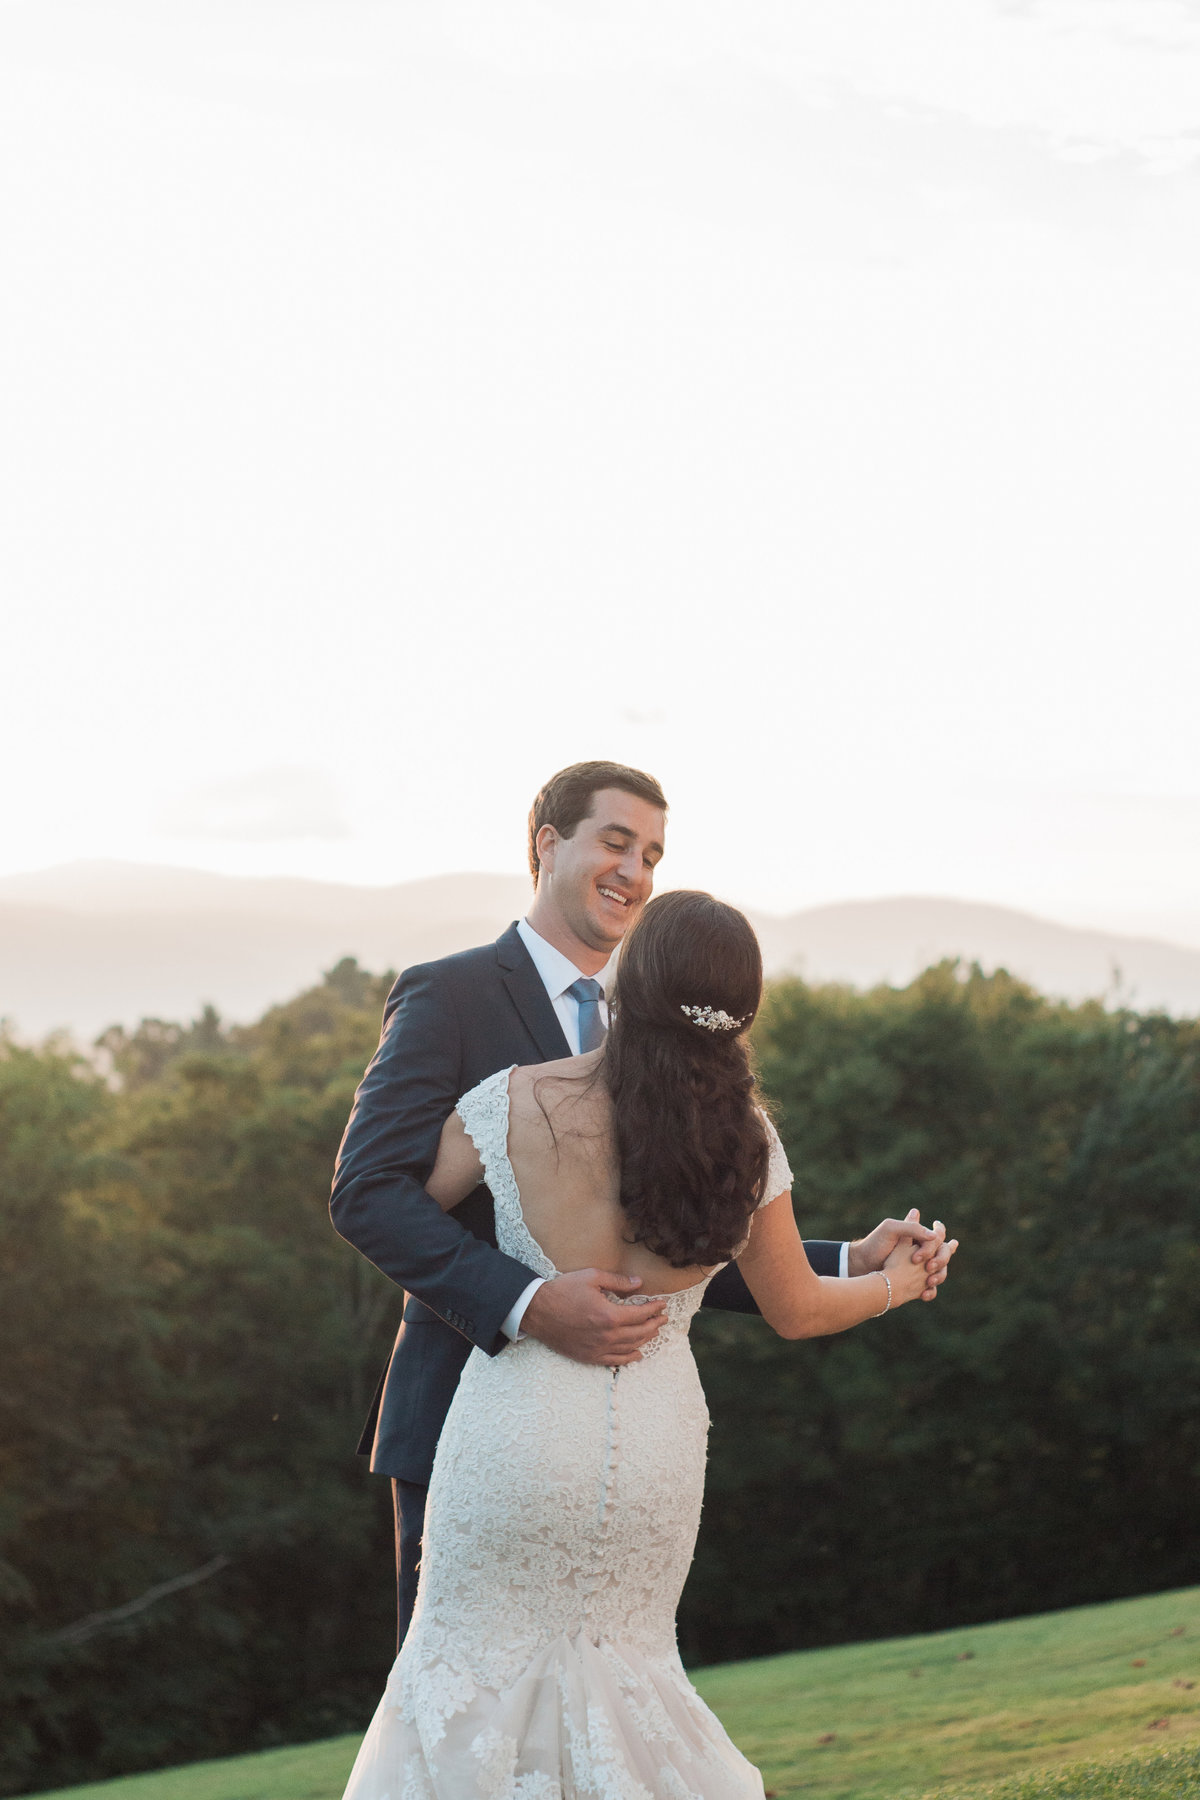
point(596, 834)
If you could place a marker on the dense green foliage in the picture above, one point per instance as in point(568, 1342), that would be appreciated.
point(187, 1352)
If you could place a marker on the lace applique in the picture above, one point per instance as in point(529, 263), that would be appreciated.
point(414, 1783)
point(497, 1757)
point(674, 1787)
point(646, 1709)
point(537, 1785)
point(607, 1771)
point(443, 1691)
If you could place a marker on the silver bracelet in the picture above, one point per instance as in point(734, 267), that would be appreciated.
point(888, 1279)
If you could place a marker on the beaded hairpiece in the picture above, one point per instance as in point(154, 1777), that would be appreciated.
point(712, 1020)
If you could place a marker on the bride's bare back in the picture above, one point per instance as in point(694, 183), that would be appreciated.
point(562, 1148)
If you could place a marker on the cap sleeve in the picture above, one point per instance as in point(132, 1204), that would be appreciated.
point(484, 1113)
point(779, 1175)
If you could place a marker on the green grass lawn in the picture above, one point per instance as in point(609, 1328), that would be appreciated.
point(967, 1707)
point(1014, 1710)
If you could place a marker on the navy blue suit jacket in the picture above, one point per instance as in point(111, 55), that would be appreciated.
point(447, 1025)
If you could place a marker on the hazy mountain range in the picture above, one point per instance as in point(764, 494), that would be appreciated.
point(89, 944)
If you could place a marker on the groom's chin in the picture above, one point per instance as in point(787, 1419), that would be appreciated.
point(608, 932)
point(611, 922)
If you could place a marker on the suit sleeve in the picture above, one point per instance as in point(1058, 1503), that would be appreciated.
point(379, 1203)
point(727, 1290)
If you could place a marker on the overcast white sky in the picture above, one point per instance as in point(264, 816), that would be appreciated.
point(800, 398)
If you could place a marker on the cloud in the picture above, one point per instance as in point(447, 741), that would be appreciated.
point(262, 807)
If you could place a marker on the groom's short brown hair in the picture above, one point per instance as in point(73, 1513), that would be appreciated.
point(567, 798)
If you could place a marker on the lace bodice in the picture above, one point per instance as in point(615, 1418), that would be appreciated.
point(485, 1114)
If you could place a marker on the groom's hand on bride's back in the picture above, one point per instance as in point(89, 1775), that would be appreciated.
point(573, 1315)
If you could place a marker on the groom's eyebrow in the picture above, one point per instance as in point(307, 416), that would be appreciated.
point(624, 831)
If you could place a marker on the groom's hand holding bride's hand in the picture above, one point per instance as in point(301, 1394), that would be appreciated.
point(573, 1315)
point(929, 1246)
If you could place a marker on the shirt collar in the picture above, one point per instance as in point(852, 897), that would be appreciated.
point(556, 970)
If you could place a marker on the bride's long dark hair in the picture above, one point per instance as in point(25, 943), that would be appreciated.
point(692, 1144)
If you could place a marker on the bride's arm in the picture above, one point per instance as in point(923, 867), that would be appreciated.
point(458, 1169)
point(797, 1303)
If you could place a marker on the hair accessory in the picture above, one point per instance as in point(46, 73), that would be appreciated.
point(712, 1020)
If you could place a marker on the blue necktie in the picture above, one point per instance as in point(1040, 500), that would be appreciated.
point(589, 994)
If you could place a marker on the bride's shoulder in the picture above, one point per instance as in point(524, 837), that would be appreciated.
point(557, 1090)
point(563, 1072)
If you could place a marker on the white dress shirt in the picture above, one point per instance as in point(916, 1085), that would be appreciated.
point(558, 973)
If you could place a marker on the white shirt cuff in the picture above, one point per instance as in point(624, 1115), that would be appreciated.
point(511, 1326)
point(843, 1264)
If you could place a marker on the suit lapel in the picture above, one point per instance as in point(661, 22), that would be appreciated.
point(529, 996)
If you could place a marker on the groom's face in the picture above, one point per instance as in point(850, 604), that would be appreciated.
point(603, 874)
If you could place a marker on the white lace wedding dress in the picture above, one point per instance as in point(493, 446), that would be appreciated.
point(541, 1662)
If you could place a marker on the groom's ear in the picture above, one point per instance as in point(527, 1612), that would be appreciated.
point(546, 842)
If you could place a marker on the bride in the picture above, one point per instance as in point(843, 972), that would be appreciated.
point(541, 1663)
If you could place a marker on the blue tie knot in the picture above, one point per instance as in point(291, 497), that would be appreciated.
point(586, 990)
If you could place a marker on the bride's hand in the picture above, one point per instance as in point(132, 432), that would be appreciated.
point(928, 1244)
point(908, 1278)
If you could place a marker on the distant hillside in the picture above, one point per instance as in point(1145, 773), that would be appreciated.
point(867, 941)
point(92, 943)
point(88, 944)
